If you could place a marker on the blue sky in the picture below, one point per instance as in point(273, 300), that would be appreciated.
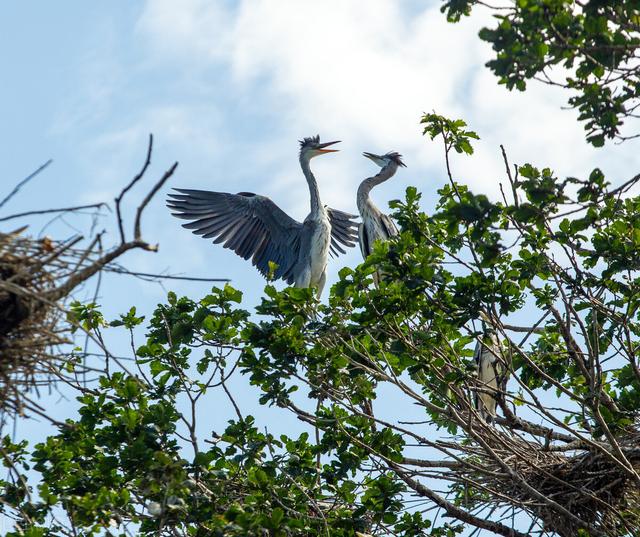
point(228, 88)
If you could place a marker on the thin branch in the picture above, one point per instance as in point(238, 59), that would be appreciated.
point(452, 465)
point(625, 186)
point(451, 509)
point(152, 192)
point(23, 182)
point(61, 210)
point(117, 270)
point(44, 262)
point(512, 182)
point(79, 277)
point(130, 185)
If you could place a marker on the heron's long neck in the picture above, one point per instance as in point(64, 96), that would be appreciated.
point(362, 197)
point(316, 205)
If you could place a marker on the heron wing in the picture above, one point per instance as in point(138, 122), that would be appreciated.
point(344, 231)
point(477, 353)
point(251, 225)
point(363, 237)
point(389, 225)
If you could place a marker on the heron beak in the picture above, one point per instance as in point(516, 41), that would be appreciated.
point(321, 147)
point(372, 156)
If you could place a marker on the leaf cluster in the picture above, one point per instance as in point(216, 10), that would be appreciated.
point(589, 48)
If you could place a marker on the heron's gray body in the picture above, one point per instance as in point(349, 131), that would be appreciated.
point(314, 251)
point(376, 226)
point(254, 227)
point(491, 378)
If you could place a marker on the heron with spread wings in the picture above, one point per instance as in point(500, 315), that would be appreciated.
point(255, 228)
point(375, 224)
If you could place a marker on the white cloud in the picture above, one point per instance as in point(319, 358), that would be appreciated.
point(193, 30)
point(366, 75)
point(362, 75)
point(243, 82)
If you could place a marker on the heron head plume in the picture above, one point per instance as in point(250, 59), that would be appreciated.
point(392, 157)
point(312, 147)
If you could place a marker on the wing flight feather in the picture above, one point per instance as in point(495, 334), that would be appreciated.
point(344, 231)
point(251, 225)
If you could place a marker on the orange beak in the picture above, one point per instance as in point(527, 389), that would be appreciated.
point(321, 147)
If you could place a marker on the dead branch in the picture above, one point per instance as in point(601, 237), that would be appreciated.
point(23, 182)
point(61, 210)
point(126, 189)
point(36, 278)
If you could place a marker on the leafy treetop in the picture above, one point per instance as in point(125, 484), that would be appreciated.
point(588, 47)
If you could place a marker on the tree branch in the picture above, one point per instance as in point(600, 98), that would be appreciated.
point(130, 185)
point(61, 210)
point(23, 182)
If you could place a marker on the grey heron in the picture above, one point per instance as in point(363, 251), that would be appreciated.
point(491, 374)
point(375, 224)
point(254, 227)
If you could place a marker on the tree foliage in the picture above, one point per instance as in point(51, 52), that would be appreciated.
point(562, 458)
point(382, 379)
point(589, 48)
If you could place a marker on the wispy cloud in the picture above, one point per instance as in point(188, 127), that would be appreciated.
point(229, 87)
point(366, 74)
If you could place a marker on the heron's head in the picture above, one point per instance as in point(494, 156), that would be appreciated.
point(312, 147)
point(391, 157)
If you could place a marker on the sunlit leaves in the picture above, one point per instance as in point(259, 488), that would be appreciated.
point(453, 131)
point(589, 49)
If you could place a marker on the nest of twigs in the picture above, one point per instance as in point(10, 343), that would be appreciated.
point(37, 276)
point(588, 484)
point(29, 320)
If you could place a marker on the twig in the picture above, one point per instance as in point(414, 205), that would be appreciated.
point(44, 262)
point(23, 182)
point(128, 187)
point(514, 188)
point(77, 278)
point(624, 186)
point(117, 270)
point(233, 401)
point(152, 192)
point(61, 210)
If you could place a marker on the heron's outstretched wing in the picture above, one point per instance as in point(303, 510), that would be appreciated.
point(249, 224)
point(343, 231)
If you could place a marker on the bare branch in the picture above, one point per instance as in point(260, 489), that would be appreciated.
point(61, 210)
point(152, 192)
point(130, 185)
point(23, 182)
point(118, 270)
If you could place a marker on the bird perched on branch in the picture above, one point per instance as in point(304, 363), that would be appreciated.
point(254, 227)
point(375, 224)
point(491, 374)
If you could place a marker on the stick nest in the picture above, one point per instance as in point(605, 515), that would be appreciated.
point(30, 328)
point(589, 484)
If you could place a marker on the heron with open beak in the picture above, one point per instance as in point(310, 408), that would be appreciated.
point(255, 228)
